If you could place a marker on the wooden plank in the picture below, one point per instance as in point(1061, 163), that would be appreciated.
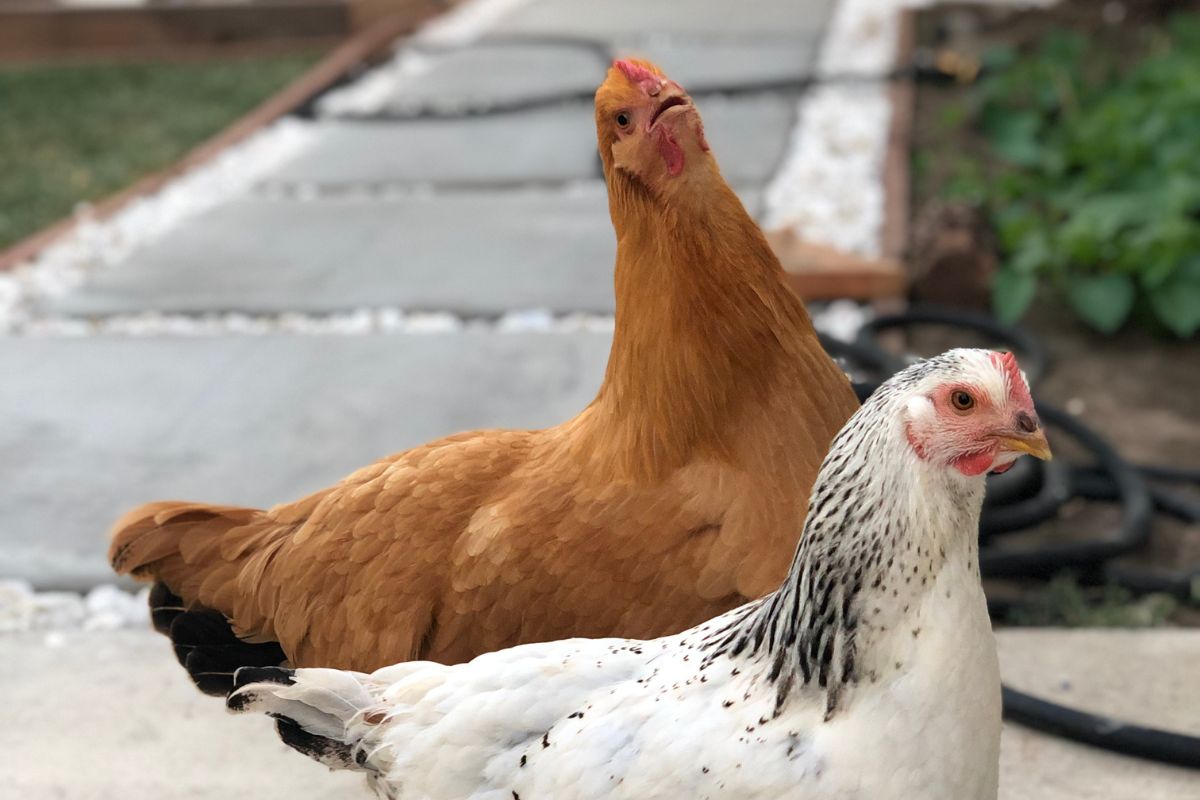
point(897, 189)
point(821, 272)
point(365, 13)
point(361, 48)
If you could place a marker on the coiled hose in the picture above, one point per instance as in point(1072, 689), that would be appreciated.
point(1032, 492)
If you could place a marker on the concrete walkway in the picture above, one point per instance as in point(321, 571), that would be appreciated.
point(111, 716)
point(476, 216)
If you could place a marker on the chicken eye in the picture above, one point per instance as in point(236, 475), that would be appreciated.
point(962, 401)
point(623, 119)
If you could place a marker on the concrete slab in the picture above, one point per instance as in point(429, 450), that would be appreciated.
point(554, 144)
point(487, 73)
point(504, 70)
point(122, 721)
point(90, 427)
point(714, 62)
point(109, 716)
point(471, 253)
point(1143, 676)
point(748, 135)
point(665, 17)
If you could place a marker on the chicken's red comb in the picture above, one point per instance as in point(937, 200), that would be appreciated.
point(635, 72)
point(639, 73)
point(1018, 390)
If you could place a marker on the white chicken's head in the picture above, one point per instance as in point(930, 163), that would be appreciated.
point(969, 410)
point(647, 126)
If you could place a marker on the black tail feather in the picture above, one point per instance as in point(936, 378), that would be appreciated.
point(205, 643)
point(331, 753)
point(165, 606)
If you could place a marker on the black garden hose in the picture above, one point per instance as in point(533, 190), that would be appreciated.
point(1033, 492)
point(1046, 559)
point(1022, 481)
point(1034, 359)
point(1099, 731)
point(1008, 511)
point(1185, 582)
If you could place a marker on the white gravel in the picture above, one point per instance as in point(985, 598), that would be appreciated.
point(840, 319)
point(830, 187)
point(350, 323)
point(371, 91)
point(103, 608)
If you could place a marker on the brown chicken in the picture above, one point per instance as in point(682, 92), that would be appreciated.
point(677, 494)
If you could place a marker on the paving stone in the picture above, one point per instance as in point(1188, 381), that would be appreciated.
point(552, 144)
point(90, 427)
point(636, 17)
point(713, 62)
point(1146, 677)
point(147, 733)
point(471, 253)
point(125, 723)
point(499, 71)
point(747, 133)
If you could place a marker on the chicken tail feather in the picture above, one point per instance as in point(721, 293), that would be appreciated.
point(316, 710)
point(211, 652)
point(196, 554)
point(154, 533)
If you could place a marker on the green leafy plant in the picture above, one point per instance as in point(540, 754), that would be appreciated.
point(1097, 192)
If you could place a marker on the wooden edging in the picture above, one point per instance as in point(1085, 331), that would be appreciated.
point(897, 189)
point(47, 29)
point(818, 272)
point(360, 48)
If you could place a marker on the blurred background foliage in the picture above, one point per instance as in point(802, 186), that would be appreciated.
point(1092, 175)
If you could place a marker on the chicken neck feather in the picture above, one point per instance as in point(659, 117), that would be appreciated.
point(708, 333)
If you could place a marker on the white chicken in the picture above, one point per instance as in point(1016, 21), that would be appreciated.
point(870, 673)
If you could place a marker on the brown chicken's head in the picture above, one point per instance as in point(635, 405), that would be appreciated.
point(648, 127)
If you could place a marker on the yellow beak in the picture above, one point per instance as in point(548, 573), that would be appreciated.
point(1034, 444)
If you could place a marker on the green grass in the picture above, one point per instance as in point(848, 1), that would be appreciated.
point(70, 134)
